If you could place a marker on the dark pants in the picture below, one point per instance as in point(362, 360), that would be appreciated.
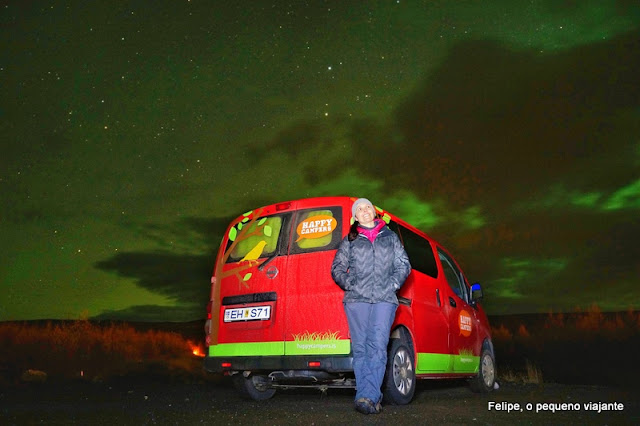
point(369, 326)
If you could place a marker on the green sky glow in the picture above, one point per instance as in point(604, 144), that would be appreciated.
point(132, 134)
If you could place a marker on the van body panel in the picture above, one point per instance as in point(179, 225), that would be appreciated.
point(431, 322)
point(313, 325)
point(303, 319)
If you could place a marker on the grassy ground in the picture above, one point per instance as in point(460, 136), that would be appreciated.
point(94, 351)
point(588, 347)
point(582, 347)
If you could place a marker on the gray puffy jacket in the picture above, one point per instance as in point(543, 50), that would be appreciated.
point(369, 272)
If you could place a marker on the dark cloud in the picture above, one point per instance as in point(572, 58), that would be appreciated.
point(173, 275)
point(494, 122)
point(183, 278)
point(501, 128)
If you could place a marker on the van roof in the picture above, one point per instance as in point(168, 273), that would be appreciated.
point(312, 202)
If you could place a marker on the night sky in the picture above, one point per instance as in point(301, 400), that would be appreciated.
point(134, 131)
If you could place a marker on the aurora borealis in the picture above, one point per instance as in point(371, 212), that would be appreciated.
point(132, 132)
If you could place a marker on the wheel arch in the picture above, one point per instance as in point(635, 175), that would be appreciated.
point(402, 332)
point(488, 345)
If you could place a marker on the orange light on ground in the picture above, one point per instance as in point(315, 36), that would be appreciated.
point(197, 350)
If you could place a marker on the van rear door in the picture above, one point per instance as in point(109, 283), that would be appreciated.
point(315, 322)
point(253, 286)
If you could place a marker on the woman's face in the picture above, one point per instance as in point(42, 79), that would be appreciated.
point(365, 215)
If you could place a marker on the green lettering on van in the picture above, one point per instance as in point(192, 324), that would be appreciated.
point(247, 349)
point(465, 363)
point(318, 347)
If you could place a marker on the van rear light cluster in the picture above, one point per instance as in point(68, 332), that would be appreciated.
point(313, 364)
point(226, 365)
point(209, 306)
point(282, 206)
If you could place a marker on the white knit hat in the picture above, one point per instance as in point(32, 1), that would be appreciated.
point(358, 202)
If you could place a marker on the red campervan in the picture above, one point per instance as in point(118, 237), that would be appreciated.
point(276, 317)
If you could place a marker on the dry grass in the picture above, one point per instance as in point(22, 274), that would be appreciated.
point(589, 347)
point(586, 347)
point(93, 351)
point(315, 336)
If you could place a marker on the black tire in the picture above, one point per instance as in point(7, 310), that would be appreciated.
point(400, 378)
point(254, 387)
point(486, 378)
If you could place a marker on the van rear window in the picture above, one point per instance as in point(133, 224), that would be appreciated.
point(317, 230)
point(260, 239)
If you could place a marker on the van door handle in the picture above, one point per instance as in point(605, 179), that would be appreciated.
point(438, 297)
point(452, 302)
point(266, 261)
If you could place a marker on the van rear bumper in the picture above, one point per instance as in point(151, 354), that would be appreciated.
point(331, 364)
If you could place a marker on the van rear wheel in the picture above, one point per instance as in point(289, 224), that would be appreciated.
point(254, 387)
point(486, 378)
point(400, 379)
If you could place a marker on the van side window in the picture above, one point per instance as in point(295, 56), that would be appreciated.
point(316, 230)
point(261, 239)
point(453, 276)
point(420, 252)
point(394, 227)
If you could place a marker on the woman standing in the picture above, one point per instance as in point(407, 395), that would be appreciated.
point(370, 266)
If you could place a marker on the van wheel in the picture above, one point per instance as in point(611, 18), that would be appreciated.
point(253, 387)
point(400, 378)
point(486, 378)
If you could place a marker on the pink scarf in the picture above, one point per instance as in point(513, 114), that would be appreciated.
point(372, 233)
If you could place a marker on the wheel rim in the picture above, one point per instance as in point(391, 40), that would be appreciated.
point(488, 370)
point(402, 372)
point(259, 383)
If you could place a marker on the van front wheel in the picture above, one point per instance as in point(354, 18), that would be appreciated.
point(486, 378)
point(400, 379)
point(253, 387)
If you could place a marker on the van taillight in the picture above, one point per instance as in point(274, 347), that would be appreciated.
point(282, 206)
point(209, 305)
point(225, 365)
point(313, 363)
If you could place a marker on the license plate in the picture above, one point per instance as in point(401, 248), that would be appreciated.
point(247, 314)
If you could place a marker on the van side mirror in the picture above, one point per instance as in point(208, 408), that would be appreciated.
point(476, 292)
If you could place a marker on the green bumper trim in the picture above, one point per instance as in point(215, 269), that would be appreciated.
point(299, 347)
point(446, 363)
point(247, 349)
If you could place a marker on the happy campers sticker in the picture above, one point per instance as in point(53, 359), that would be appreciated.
point(464, 321)
point(316, 227)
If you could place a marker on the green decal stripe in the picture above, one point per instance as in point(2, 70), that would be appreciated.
point(433, 363)
point(446, 363)
point(318, 347)
point(247, 349)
